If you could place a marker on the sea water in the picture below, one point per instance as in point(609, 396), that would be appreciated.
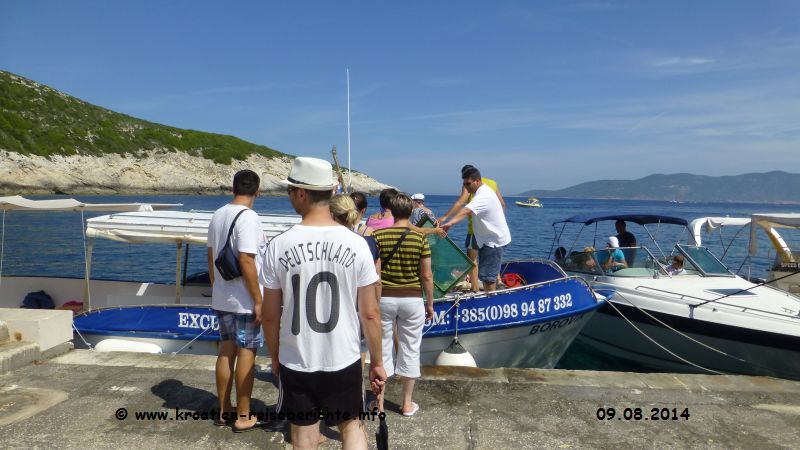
point(52, 243)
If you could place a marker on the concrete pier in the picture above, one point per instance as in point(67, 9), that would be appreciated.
point(77, 400)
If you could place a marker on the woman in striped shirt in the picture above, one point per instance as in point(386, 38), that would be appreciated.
point(405, 274)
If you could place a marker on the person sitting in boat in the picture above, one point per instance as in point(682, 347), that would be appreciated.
point(612, 259)
point(420, 210)
point(587, 259)
point(560, 254)
point(383, 218)
point(676, 268)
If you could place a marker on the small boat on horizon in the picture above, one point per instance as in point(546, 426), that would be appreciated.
point(531, 202)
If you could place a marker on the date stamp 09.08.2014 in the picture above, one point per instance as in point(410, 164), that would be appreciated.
point(643, 414)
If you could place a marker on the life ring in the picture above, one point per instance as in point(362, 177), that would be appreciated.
point(512, 280)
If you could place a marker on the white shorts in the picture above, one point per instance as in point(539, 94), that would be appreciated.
point(408, 313)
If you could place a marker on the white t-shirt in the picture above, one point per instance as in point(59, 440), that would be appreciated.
point(247, 237)
point(319, 270)
point(488, 222)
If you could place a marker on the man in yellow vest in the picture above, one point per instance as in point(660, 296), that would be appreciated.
point(471, 244)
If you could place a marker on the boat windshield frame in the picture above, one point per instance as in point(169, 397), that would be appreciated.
point(586, 220)
point(693, 254)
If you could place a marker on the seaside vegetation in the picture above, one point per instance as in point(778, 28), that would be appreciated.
point(38, 120)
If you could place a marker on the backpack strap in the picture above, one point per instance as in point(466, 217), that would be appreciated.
point(233, 224)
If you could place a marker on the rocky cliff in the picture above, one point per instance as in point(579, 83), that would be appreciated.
point(151, 172)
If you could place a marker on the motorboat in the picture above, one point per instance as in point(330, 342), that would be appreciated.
point(532, 202)
point(527, 325)
point(704, 319)
point(783, 262)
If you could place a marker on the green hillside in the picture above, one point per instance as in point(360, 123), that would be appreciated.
point(773, 187)
point(38, 120)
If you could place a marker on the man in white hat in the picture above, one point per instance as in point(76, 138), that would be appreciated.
point(319, 280)
point(420, 210)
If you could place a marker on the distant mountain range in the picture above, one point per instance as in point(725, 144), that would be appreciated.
point(770, 187)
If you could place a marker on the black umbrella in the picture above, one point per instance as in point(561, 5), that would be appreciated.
point(382, 436)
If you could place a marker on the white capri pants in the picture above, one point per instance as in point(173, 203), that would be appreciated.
point(408, 313)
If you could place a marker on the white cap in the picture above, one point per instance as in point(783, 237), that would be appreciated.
point(419, 197)
point(613, 241)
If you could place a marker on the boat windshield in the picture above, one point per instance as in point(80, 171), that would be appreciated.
point(622, 262)
point(705, 262)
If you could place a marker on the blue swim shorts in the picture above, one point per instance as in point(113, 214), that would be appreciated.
point(240, 327)
point(489, 259)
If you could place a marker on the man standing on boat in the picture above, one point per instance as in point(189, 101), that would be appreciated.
point(237, 302)
point(471, 245)
point(319, 280)
point(489, 225)
point(626, 241)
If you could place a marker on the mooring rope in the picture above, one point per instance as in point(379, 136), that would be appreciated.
point(88, 345)
point(655, 342)
point(665, 325)
point(455, 304)
point(190, 342)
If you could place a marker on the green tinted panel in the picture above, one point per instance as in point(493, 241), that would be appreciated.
point(450, 265)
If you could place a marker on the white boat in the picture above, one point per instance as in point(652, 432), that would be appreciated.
point(784, 270)
point(532, 202)
point(705, 320)
point(530, 325)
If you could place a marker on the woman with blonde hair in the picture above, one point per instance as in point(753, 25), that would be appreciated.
point(344, 212)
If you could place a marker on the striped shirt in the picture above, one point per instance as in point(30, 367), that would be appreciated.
point(400, 278)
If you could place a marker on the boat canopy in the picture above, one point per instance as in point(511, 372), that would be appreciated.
point(171, 226)
point(641, 219)
point(769, 222)
point(710, 224)
point(18, 203)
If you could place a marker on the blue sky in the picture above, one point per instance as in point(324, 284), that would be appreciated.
point(536, 94)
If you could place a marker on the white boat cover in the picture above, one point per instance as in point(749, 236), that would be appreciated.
point(709, 224)
point(18, 203)
point(171, 226)
point(769, 222)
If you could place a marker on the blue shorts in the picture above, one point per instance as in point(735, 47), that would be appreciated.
point(489, 259)
point(470, 242)
point(240, 327)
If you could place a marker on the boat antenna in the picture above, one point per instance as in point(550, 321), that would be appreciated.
point(349, 170)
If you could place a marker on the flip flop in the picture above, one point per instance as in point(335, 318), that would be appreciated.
point(223, 423)
point(414, 409)
point(256, 425)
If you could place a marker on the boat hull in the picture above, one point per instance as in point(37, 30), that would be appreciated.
point(527, 326)
point(746, 351)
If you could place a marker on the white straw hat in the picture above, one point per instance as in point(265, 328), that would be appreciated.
point(311, 173)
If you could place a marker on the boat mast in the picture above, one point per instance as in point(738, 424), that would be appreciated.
point(349, 173)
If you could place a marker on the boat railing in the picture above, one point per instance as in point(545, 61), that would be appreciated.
point(561, 276)
point(714, 302)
